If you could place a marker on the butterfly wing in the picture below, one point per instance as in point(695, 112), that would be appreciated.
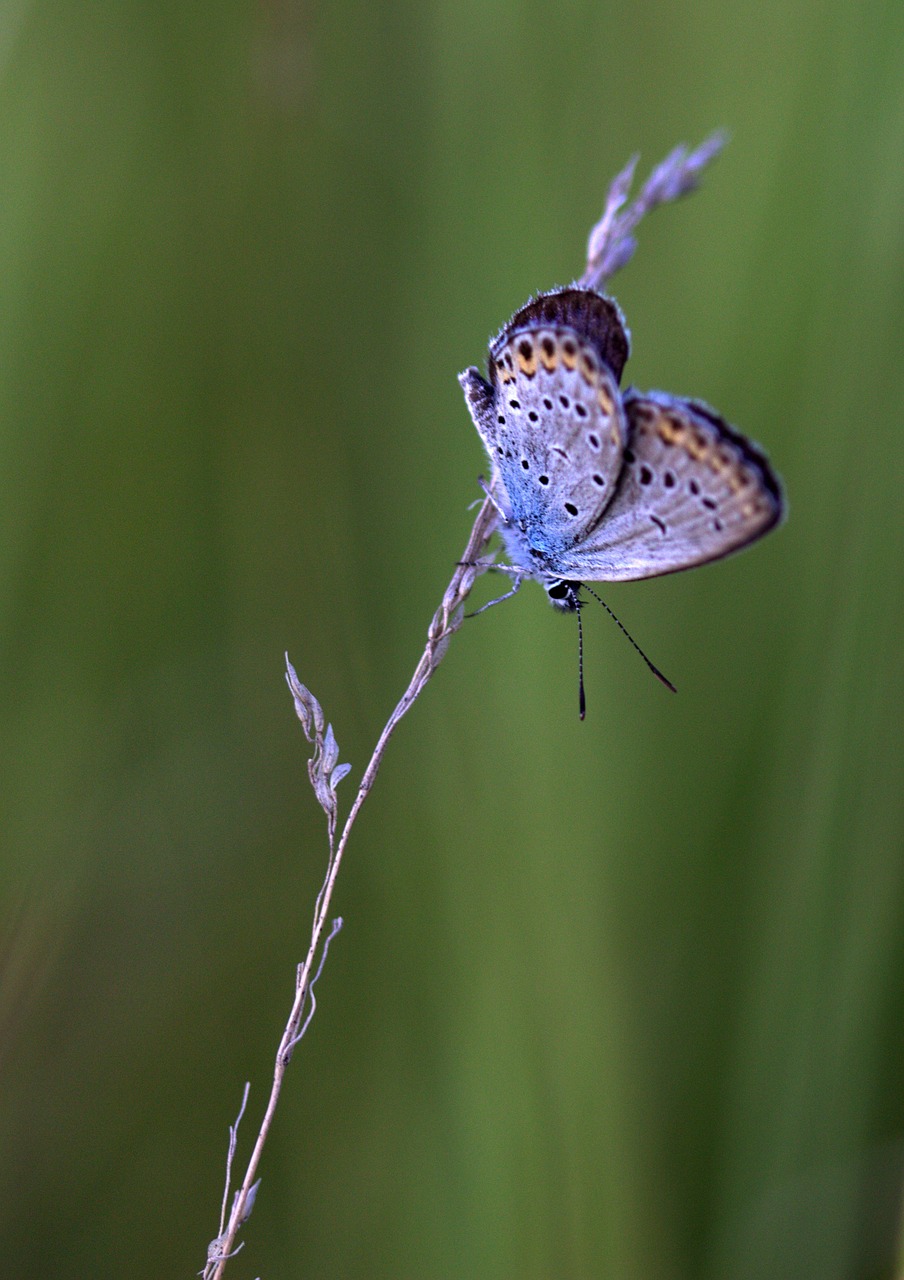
point(553, 425)
point(691, 490)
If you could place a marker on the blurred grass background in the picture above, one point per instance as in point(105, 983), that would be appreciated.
point(614, 999)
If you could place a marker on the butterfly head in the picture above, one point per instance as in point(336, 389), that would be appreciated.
point(563, 594)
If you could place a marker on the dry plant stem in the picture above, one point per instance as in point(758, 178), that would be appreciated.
point(446, 621)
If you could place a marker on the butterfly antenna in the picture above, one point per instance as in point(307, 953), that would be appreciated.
point(624, 630)
point(582, 701)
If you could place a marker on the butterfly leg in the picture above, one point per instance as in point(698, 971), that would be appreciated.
point(518, 576)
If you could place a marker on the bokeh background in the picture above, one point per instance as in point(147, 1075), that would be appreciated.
point(613, 999)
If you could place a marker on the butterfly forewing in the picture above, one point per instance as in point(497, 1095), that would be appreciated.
point(560, 432)
point(691, 490)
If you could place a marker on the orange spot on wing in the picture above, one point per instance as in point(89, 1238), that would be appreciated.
point(526, 356)
point(604, 400)
point(739, 480)
point(589, 368)
point(670, 430)
point(697, 445)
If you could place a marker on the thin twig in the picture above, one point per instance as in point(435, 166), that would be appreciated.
point(446, 621)
point(337, 925)
point(217, 1250)
point(233, 1139)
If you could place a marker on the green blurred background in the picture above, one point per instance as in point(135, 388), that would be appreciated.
point(614, 999)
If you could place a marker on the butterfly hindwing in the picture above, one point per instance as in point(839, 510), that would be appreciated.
point(691, 490)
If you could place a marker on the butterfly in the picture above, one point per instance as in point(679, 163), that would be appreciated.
point(595, 484)
point(592, 484)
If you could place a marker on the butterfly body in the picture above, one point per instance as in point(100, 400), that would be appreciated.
point(593, 484)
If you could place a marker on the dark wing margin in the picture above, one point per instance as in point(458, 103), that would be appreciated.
point(592, 317)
